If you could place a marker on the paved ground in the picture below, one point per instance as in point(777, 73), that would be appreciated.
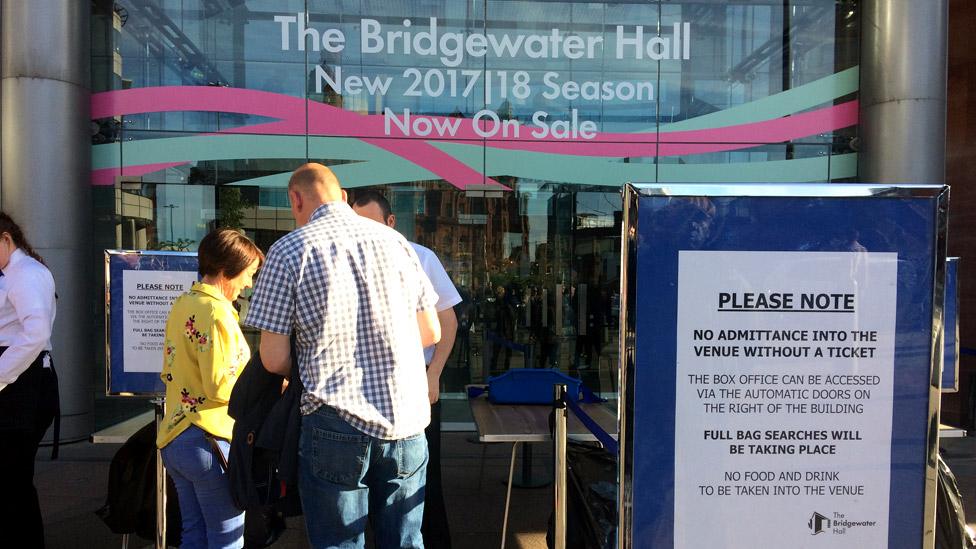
point(73, 487)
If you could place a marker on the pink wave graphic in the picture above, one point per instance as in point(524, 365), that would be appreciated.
point(327, 120)
point(106, 176)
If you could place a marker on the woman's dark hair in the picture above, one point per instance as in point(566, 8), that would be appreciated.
point(227, 252)
point(7, 225)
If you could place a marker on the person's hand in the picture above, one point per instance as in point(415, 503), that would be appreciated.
point(433, 387)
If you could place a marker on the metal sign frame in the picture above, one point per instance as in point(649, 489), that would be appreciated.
point(628, 330)
point(138, 255)
point(950, 366)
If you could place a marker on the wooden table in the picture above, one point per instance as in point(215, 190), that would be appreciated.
point(947, 431)
point(521, 423)
point(121, 432)
point(530, 422)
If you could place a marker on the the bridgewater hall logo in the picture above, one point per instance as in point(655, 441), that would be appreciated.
point(818, 523)
point(837, 523)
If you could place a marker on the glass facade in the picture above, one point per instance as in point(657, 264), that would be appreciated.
point(501, 131)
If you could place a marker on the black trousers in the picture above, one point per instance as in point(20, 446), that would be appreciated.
point(27, 409)
point(437, 534)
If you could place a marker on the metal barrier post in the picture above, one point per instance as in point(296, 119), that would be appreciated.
point(160, 482)
point(559, 470)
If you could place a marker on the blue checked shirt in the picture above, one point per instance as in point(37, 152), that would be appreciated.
point(349, 289)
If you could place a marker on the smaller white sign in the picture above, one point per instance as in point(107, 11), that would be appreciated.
point(147, 297)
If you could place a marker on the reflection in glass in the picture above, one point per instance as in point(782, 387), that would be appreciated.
point(536, 263)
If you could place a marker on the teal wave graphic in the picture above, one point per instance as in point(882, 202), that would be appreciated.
point(365, 164)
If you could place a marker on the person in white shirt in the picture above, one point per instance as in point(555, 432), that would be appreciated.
point(375, 206)
point(28, 384)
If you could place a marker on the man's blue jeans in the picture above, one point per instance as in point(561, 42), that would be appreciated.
point(347, 478)
point(210, 518)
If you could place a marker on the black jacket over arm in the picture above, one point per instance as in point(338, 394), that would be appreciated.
point(263, 464)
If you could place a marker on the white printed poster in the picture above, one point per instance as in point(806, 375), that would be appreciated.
point(147, 299)
point(783, 412)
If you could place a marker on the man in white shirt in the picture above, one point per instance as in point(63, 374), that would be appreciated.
point(373, 205)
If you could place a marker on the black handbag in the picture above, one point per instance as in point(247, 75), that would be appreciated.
point(130, 506)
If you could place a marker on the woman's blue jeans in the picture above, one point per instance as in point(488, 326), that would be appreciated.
point(210, 519)
point(347, 478)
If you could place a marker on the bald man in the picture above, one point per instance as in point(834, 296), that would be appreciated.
point(354, 296)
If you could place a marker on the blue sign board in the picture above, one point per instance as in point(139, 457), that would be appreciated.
point(779, 390)
point(140, 287)
point(950, 362)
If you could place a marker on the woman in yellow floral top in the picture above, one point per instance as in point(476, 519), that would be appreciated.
point(204, 353)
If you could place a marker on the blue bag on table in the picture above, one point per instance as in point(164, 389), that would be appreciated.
point(531, 386)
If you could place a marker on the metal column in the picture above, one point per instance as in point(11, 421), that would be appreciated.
point(903, 91)
point(904, 58)
point(160, 406)
point(45, 160)
point(560, 435)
